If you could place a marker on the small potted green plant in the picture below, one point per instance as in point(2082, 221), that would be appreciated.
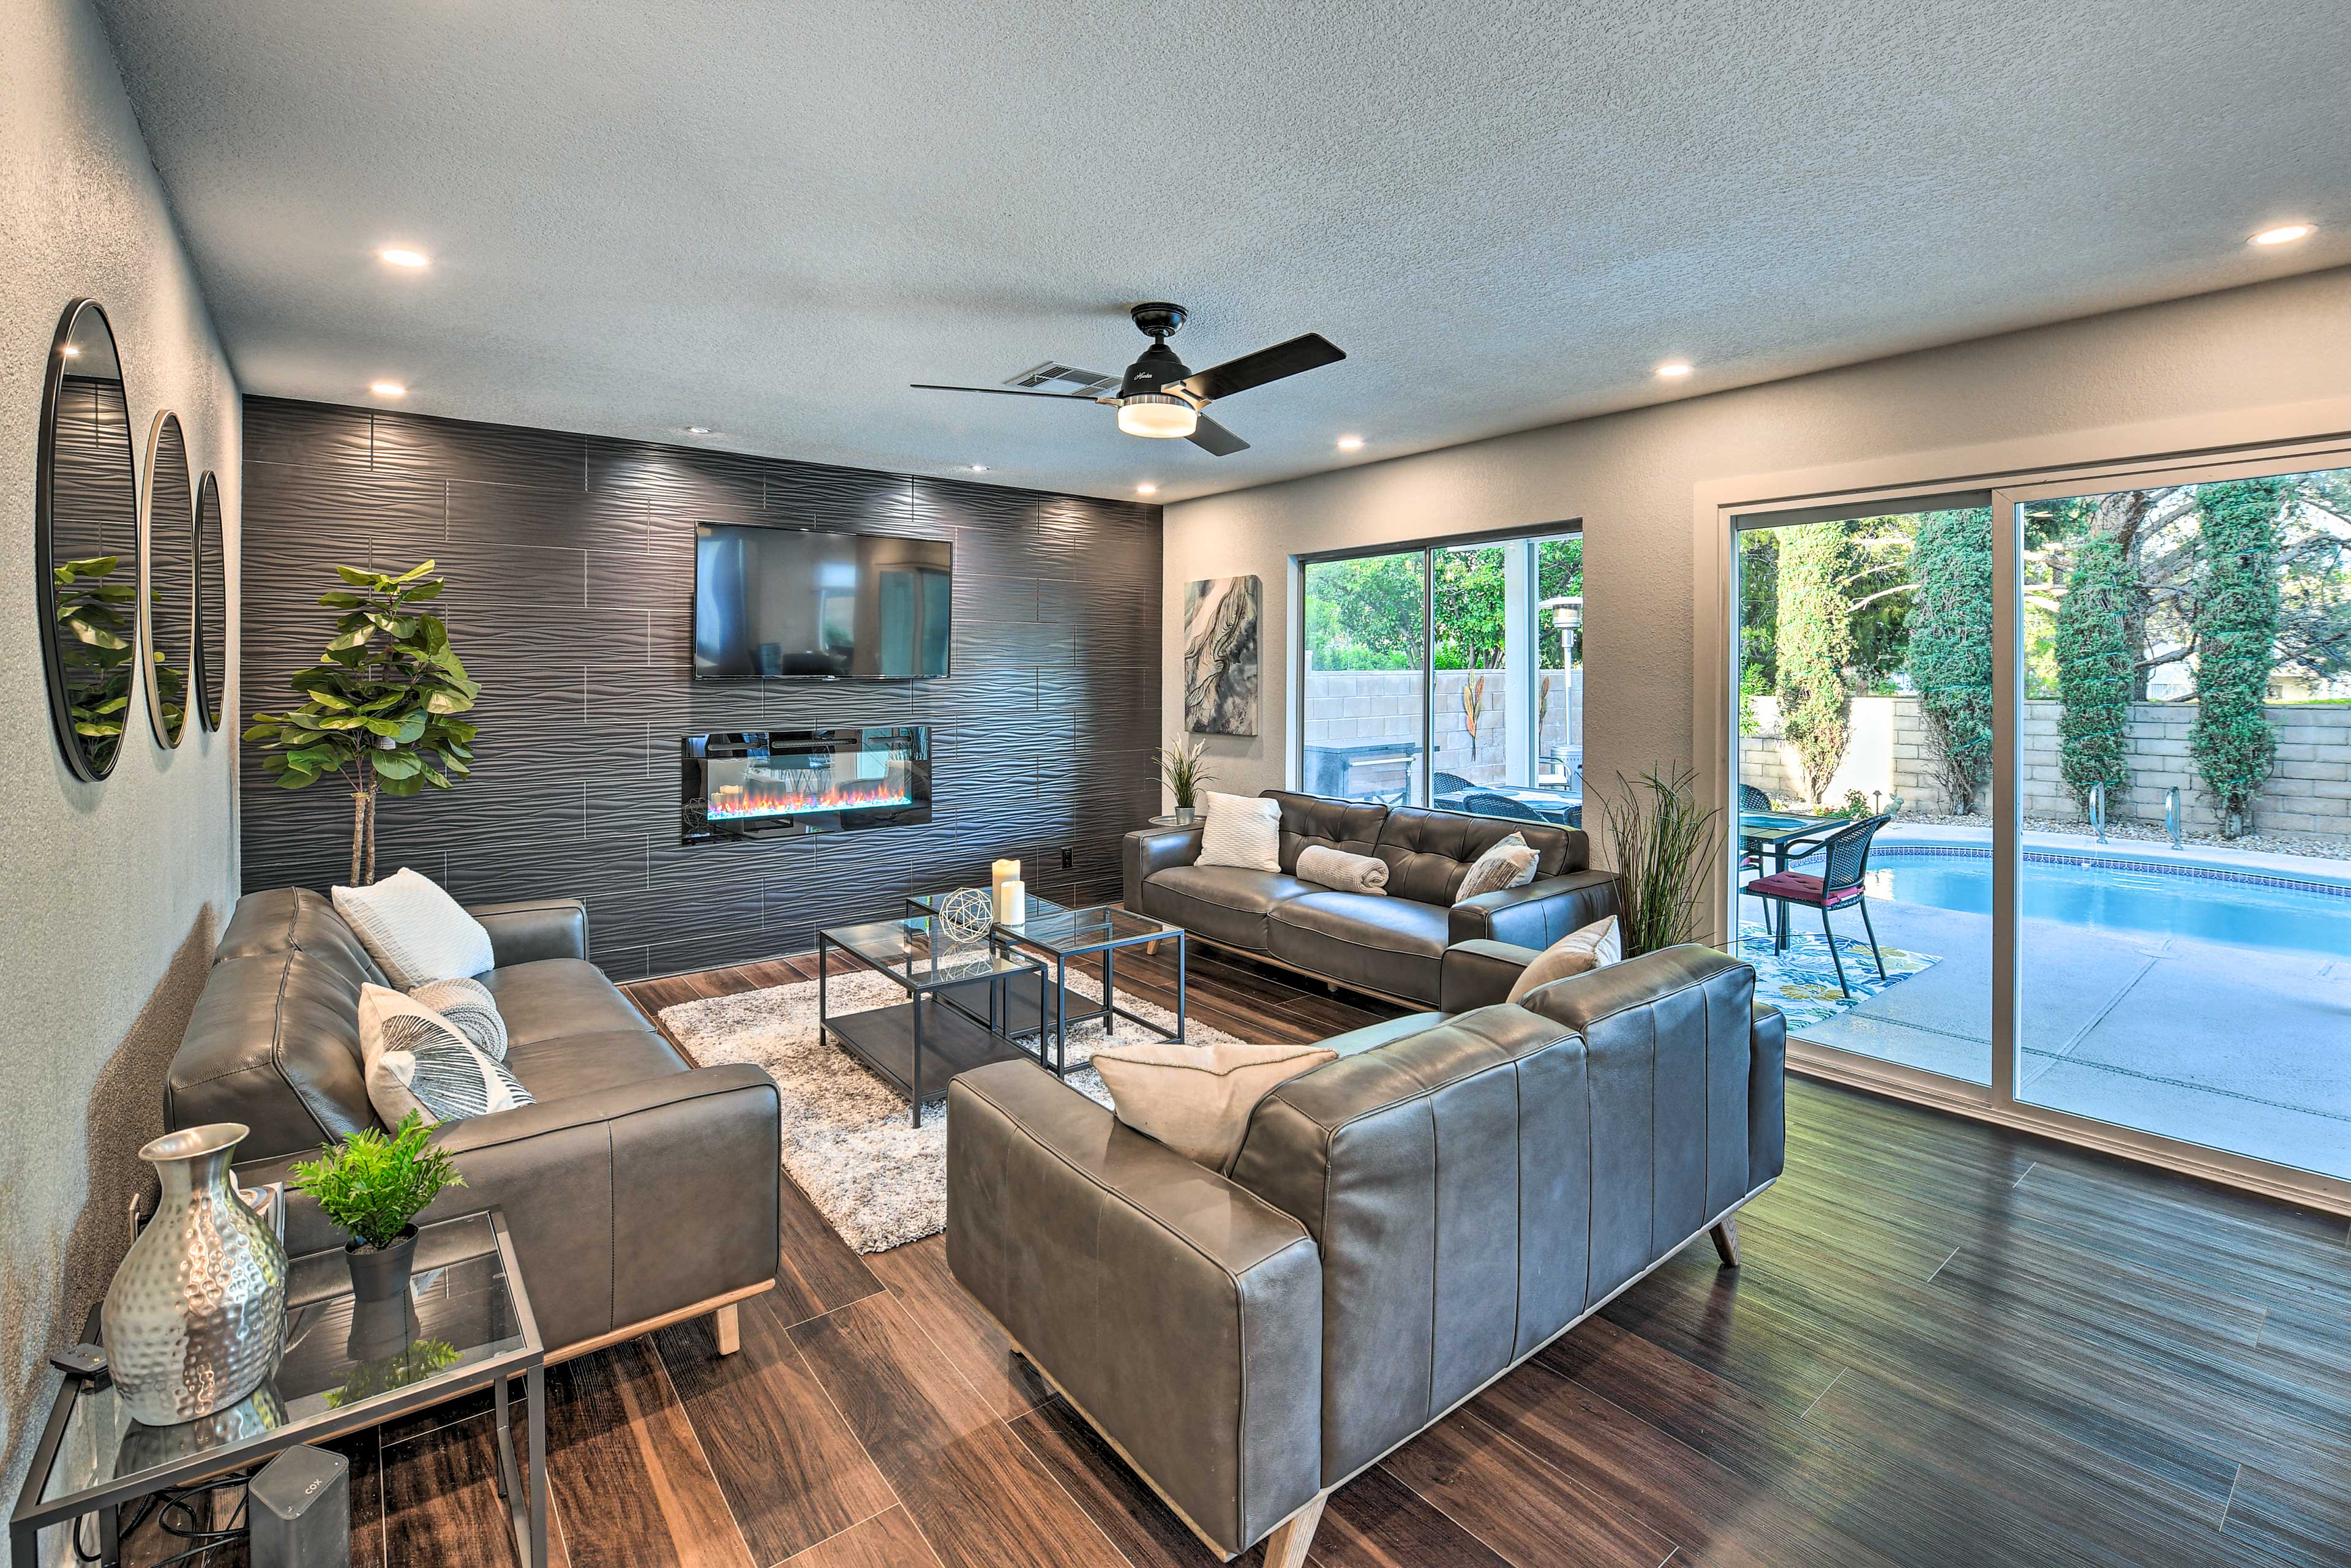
point(1181, 766)
point(374, 1187)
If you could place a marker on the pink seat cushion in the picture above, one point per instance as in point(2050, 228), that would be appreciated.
point(1801, 889)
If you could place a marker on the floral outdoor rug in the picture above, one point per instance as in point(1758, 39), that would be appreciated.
point(1802, 982)
point(848, 1140)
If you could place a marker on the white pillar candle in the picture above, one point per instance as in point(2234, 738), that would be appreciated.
point(1011, 902)
point(1003, 872)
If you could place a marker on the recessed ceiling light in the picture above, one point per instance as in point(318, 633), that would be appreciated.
point(1351, 444)
point(1675, 368)
point(2284, 233)
point(980, 467)
point(697, 430)
point(1147, 489)
point(409, 258)
point(387, 389)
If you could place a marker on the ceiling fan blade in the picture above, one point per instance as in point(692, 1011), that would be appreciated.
point(1210, 436)
point(1304, 353)
point(1005, 391)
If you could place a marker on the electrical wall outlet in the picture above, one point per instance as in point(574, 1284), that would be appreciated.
point(1069, 859)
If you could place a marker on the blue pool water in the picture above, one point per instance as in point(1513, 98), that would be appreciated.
point(2298, 917)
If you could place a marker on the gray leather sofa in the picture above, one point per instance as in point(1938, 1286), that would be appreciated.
point(1392, 944)
point(638, 1190)
point(1400, 1226)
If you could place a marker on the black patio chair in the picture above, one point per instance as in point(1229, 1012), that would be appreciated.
point(1750, 799)
point(1839, 884)
point(1444, 783)
point(1486, 803)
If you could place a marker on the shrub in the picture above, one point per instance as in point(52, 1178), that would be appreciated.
point(2096, 668)
point(1950, 645)
point(2236, 645)
point(1814, 638)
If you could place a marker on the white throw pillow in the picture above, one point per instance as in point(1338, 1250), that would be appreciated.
point(1337, 869)
point(1196, 1099)
point(1242, 830)
point(1509, 864)
point(414, 930)
point(1595, 946)
point(468, 1004)
point(418, 1060)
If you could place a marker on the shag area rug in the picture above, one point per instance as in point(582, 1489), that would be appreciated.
point(1802, 982)
point(848, 1139)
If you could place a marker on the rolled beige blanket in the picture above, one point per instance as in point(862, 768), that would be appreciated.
point(1338, 869)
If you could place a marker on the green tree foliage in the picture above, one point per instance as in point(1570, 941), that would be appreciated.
point(2096, 668)
point(380, 704)
point(1949, 654)
point(1815, 617)
point(2236, 643)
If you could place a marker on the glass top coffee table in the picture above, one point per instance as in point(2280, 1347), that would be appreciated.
point(1058, 935)
point(466, 1324)
point(920, 1044)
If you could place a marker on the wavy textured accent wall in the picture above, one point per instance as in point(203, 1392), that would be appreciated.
point(570, 568)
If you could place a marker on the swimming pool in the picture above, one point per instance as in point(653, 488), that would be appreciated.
point(2125, 895)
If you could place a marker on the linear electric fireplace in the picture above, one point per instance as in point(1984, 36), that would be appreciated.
point(749, 783)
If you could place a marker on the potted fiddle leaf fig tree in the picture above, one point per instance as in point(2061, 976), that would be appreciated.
point(379, 708)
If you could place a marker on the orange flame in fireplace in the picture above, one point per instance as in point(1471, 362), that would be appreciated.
point(802, 791)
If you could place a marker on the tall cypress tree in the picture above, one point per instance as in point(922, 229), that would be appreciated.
point(1815, 644)
point(1951, 644)
point(2095, 667)
point(2236, 643)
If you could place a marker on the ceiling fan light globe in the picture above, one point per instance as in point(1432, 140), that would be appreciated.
point(1158, 416)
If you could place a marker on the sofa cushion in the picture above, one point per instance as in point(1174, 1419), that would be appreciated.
point(1389, 944)
point(295, 920)
point(1222, 903)
point(573, 1064)
point(1370, 1037)
point(1352, 827)
point(554, 996)
point(1430, 852)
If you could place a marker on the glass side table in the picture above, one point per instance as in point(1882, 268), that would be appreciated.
point(467, 1325)
point(918, 1041)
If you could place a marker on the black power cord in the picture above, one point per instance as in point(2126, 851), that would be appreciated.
point(174, 1512)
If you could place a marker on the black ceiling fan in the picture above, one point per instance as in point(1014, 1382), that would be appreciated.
point(1159, 397)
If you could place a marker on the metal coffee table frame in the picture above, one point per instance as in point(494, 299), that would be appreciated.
point(1037, 935)
point(523, 1492)
point(892, 1040)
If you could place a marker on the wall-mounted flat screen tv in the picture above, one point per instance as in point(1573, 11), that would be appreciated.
point(786, 604)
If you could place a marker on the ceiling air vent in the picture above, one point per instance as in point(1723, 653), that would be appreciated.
point(1052, 377)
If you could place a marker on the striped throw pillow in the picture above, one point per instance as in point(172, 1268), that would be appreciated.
point(418, 1060)
point(468, 1004)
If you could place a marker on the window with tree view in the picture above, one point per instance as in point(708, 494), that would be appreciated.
point(1449, 676)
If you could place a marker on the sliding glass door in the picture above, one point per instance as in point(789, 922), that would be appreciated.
point(2184, 958)
point(1449, 673)
point(1865, 679)
point(2101, 733)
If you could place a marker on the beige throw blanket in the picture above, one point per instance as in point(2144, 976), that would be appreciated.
point(1338, 869)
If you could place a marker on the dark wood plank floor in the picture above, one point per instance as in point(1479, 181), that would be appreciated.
point(1949, 1344)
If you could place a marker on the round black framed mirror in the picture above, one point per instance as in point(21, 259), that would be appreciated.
point(85, 542)
point(212, 601)
point(167, 555)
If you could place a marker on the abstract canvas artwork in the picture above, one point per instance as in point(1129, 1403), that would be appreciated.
point(1220, 656)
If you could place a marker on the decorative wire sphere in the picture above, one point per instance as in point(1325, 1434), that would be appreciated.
point(968, 913)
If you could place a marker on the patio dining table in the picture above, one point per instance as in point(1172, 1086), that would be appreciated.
point(1784, 836)
point(1552, 805)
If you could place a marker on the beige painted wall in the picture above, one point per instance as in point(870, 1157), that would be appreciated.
point(1633, 479)
point(114, 891)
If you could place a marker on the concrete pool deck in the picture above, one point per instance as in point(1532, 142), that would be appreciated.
point(2232, 1047)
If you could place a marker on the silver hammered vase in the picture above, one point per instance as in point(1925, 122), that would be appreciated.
point(196, 1316)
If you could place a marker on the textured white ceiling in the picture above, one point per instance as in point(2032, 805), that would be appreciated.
point(768, 216)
